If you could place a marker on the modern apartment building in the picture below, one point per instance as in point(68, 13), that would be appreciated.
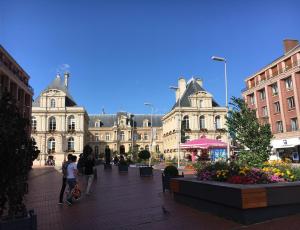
point(194, 114)
point(122, 131)
point(274, 92)
point(15, 80)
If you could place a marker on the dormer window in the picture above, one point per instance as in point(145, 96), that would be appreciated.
point(52, 103)
point(146, 123)
point(97, 124)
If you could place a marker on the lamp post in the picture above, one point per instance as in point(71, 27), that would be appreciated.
point(151, 141)
point(179, 125)
point(221, 59)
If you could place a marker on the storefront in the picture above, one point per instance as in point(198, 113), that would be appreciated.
point(286, 148)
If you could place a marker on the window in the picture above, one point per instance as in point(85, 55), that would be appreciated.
point(201, 104)
point(51, 145)
point(71, 144)
point(33, 123)
point(185, 124)
point(279, 126)
point(146, 123)
point(122, 136)
point(145, 136)
point(97, 124)
point(202, 122)
point(157, 148)
point(96, 137)
point(277, 107)
point(274, 89)
point(52, 124)
point(265, 111)
point(291, 102)
point(217, 122)
point(147, 147)
point(262, 94)
point(294, 124)
point(71, 123)
point(107, 136)
point(251, 98)
point(96, 150)
point(288, 83)
point(218, 137)
point(52, 103)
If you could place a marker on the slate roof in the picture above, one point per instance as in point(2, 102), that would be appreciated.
point(108, 120)
point(58, 84)
point(191, 88)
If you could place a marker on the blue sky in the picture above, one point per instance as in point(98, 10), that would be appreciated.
point(123, 53)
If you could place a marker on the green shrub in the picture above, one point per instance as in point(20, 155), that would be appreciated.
point(144, 154)
point(171, 171)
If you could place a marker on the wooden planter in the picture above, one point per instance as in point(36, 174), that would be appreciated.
point(146, 171)
point(25, 223)
point(123, 168)
point(246, 204)
point(166, 181)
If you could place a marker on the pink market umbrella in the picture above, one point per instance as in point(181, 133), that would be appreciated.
point(203, 143)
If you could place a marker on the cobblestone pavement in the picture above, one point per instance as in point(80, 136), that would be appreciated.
point(124, 201)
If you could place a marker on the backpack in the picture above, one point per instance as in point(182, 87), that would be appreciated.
point(65, 168)
point(81, 164)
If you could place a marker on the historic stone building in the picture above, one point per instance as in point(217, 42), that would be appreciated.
point(274, 92)
point(194, 114)
point(15, 80)
point(123, 130)
point(59, 125)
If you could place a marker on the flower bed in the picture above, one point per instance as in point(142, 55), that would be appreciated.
point(268, 172)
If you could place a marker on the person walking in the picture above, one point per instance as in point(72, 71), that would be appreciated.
point(64, 178)
point(71, 178)
point(89, 172)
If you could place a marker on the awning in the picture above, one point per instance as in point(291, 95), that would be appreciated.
point(203, 143)
point(285, 143)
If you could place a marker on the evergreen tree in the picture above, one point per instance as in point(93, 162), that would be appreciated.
point(246, 130)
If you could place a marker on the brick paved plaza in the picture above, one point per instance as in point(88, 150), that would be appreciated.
point(124, 201)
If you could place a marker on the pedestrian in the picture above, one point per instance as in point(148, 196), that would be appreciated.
point(89, 172)
point(64, 178)
point(71, 178)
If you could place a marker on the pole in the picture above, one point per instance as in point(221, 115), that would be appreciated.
point(179, 129)
point(151, 118)
point(226, 97)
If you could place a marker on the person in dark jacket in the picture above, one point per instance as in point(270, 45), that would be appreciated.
point(89, 172)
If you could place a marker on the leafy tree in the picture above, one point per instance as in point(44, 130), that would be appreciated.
point(17, 153)
point(246, 130)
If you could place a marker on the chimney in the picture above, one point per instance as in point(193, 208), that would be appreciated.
point(199, 81)
point(181, 86)
point(57, 75)
point(67, 75)
point(289, 44)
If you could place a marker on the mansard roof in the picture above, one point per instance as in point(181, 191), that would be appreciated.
point(191, 88)
point(57, 84)
point(109, 120)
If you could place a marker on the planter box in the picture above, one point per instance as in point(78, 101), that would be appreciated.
point(123, 168)
point(146, 171)
point(246, 204)
point(26, 223)
point(166, 181)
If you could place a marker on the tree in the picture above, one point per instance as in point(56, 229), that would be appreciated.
point(246, 130)
point(17, 153)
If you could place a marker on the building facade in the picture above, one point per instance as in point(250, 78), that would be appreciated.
point(122, 131)
point(194, 114)
point(59, 125)
point(274, 92)
point(15, 80)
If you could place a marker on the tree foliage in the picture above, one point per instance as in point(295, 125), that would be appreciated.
point(246, 130)
point(17, 153)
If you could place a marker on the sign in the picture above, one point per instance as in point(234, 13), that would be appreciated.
point(218, 154)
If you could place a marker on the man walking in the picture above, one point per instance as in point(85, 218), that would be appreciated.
point(64, 179)
point(71, 178)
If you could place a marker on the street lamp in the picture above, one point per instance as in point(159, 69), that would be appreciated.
point(151, 143)
point(179, 125)
point(221, 59)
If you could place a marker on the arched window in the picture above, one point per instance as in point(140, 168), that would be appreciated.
point(71, 123)
point(202, 122)
point(52, 123)
point(71, 144)
point(218, 137)
point(51, 145)
point(147, 147)
point(33, 124)
point(157, 148)
point(185, 124)
point(52, 103)
point(218, 122)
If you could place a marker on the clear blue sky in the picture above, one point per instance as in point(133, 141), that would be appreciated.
point(123, 53)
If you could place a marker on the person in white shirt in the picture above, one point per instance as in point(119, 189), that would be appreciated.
point(71, 178)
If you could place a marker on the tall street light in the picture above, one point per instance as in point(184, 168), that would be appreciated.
point(151, 143)
point(179, 124)
point(221, 59)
